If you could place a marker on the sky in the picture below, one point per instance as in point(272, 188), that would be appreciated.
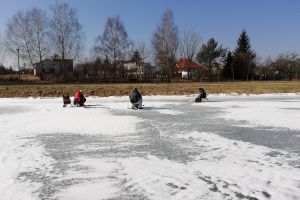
point(272, 25)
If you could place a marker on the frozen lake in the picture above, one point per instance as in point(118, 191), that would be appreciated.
point(231, 147)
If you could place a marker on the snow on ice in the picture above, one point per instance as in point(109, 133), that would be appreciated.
point(172, 149)
point(267, 112)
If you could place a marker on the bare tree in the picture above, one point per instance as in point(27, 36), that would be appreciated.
point(18, 36)
point(190, 46)
point(2, 51)
point(165, 43)
point(65, 33)
point(27, 31)
point(143, 53)
point(286, 65)
point(38, 26)
point(113, 43)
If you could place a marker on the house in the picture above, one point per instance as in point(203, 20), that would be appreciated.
point(138, 71)
point(195, 69)
point(53, 66)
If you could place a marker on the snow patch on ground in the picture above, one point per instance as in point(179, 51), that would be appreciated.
point(162, 106)
point(221, 169)
point(254, 95)
point(164, 179)
point(20, 155)
point(233, 167)
point(282, 114)
point(45, 116)
point(169, 112)
point(89, 191)
point(224, 169)
point(97, 182)
point(48, 116)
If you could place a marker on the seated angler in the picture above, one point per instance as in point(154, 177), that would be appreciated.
point(79, 99)
point(66, 100)
point(136, 99)
point(201, 96)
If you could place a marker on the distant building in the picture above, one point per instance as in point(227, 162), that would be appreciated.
point(196, 70)
point(53, 66)
point(134, 70)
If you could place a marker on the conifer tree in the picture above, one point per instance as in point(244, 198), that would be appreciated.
point(136, 57)
point(210, 54)
point(228, 70)
point(243, 58)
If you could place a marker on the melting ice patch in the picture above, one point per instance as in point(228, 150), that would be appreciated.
point(169, 112)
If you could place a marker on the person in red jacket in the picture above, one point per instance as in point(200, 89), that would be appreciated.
point(79, 98)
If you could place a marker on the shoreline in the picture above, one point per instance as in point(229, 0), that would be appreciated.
point(164, 89)
point(167, 97)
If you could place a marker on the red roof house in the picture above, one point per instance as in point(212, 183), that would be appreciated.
point(183, 65)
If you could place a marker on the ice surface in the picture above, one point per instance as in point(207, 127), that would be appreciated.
point(267, 112)
point(231, 147)
point(99, 186)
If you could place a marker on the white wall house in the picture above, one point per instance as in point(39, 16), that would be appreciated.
point(195, 69)
point(143, 70)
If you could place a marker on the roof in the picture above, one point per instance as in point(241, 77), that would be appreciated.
point(184, 64)
point(49, 61)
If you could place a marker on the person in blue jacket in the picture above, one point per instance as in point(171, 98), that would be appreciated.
point(201, 96)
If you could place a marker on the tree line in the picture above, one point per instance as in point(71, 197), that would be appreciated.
point(37, 36)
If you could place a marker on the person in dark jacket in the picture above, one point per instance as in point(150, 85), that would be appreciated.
point(79, 99)
point(201, 96)
point(66, 100)
point(136, 99)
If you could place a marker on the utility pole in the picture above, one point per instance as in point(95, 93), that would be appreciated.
point(25, 72)
point(19, 64)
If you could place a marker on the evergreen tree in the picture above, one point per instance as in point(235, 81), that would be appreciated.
point(2, 69)
point(210, 54)
point(243, 58)
point(10, 70)
point(136, 57)
point(228, 70)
